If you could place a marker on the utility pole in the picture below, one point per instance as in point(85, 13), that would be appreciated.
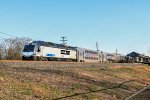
point(117, 54)
point(63, 40)
point(97, 46)
point(116, 51)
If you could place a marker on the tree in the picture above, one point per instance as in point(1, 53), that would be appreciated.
point(10, 54)
point(0, 53)
point(12, 47)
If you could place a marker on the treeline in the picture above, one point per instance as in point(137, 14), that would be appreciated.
point(11, 48)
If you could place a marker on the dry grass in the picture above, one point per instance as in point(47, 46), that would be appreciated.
point(64, 82)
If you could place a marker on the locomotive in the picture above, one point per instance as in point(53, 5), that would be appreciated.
point(48, 51)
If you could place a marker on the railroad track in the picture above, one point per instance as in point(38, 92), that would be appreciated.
point(143, 94)
point(37, 61)
point(43, 61)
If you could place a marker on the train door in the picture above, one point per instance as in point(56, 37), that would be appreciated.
point(100, 59)
point(83, 56)
point(102, 56)
point(78, 56)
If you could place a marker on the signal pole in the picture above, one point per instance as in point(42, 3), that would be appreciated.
point(63, 40)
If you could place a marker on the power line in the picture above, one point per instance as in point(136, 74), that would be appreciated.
point(8, 34)
point(1, 39)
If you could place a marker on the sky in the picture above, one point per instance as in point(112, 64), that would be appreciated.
point(114, 24)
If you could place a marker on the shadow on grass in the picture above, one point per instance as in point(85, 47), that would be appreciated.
point(77, 94)
point(73, 75)
point(107, 85)
point(80, 78)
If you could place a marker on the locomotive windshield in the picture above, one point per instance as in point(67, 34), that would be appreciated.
point(29, 48)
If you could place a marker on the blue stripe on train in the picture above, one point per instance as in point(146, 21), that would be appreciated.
point(50, 55)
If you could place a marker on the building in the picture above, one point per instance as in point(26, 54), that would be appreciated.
point(135, 57)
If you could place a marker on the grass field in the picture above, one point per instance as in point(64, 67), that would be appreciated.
point(97, 82)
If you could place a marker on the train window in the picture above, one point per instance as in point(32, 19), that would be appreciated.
point(67, 52)
point(85, 51)
point(38, 49)
point(63, 52)
point(80, 54)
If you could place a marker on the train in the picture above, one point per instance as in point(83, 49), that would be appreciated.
point(49, 51)
point(146, 60)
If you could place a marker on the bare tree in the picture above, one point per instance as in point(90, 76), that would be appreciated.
point(0, 53)
point(10, 54)
point(12, 48)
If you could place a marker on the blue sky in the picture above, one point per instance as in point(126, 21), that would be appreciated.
point(114, 24)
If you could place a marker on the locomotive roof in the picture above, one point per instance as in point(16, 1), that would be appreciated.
point(55, 45)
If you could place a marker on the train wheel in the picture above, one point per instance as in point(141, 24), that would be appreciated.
point(39, 58)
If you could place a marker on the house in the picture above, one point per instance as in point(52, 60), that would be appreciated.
point(135, 57)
